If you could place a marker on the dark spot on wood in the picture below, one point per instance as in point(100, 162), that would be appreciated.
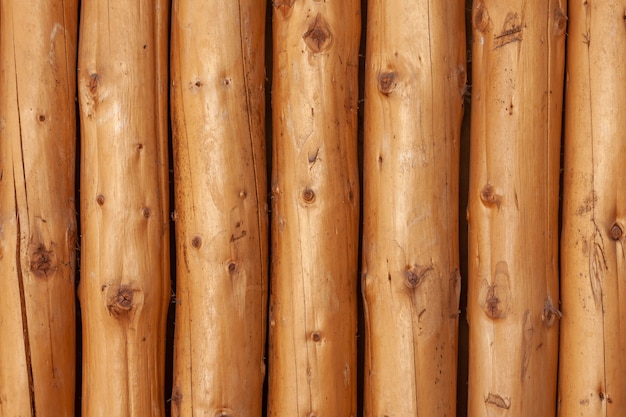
point(511, 31)
point(415, 275)
point(316, 336)
point(318, 37)
point(94, 82)
point(560, 23)
point(122, 301)
point(140, 146)
point(196, 242)
point(616, 232)
point(550, 313)
point(42, 118)
point(313, 157)
point(489, 196)
point(232, 267)
point(498, 401)
point(601, 395)
point(146, 212)
point(43, 262)
point(100, 199)
point(481, 17)
point(283, 6)
point(387, 82)
point(308, 195)
point(234, 238)
point(177, 398)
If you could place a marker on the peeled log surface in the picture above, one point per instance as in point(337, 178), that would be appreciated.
point(37, 208)
point(218, 116)
point(124, 286)
point(592, 379)
point(414, 90)
point(517, 67)
point(315, 209)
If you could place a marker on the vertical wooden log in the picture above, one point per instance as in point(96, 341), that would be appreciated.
point(37, 209)
point(124, 286)
point(593, 339)
point(315, 196)
point(218, 115)
point(517, 67)
point(414, 90)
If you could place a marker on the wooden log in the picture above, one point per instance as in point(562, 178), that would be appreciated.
point(37, 209)
point(414, 92)
point(124, 286)
point(315, 209)
point(517, 67)
point(218, 115)
point(592, 379)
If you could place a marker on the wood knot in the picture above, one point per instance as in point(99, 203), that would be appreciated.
point(616, 232)
point(308, 195)
point(196, 242)
point(93, 83)
point(495, 296)
point(415, 275)
point(387, 82)
point(489, 197)
point(550, 313)
point(43, 262)
point(480, 20)
point(122, 301)
point(318, 37)
point(560, 23)
point(284, 6)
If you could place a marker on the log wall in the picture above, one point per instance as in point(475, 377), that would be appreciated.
point(147, 147)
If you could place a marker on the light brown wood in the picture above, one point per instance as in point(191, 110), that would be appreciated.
point(218, 116)
point(37, 209)
point(124, 284)
point(517, 78)
point(414, 91)
point(592, 379)
point(315, 209)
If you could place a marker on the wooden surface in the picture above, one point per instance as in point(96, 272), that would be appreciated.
point(593, 331)
point(517, 67)
point(124, 286)
point(37, 207)
point(414, 90)
point(315, 209)
point(218, 115)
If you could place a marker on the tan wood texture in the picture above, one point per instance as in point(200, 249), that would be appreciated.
point(414, 89)
point(315, 209)
point(592, 379)
point(124, 285)
point(517, 67)
point(218, 115)
point(37, 208)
